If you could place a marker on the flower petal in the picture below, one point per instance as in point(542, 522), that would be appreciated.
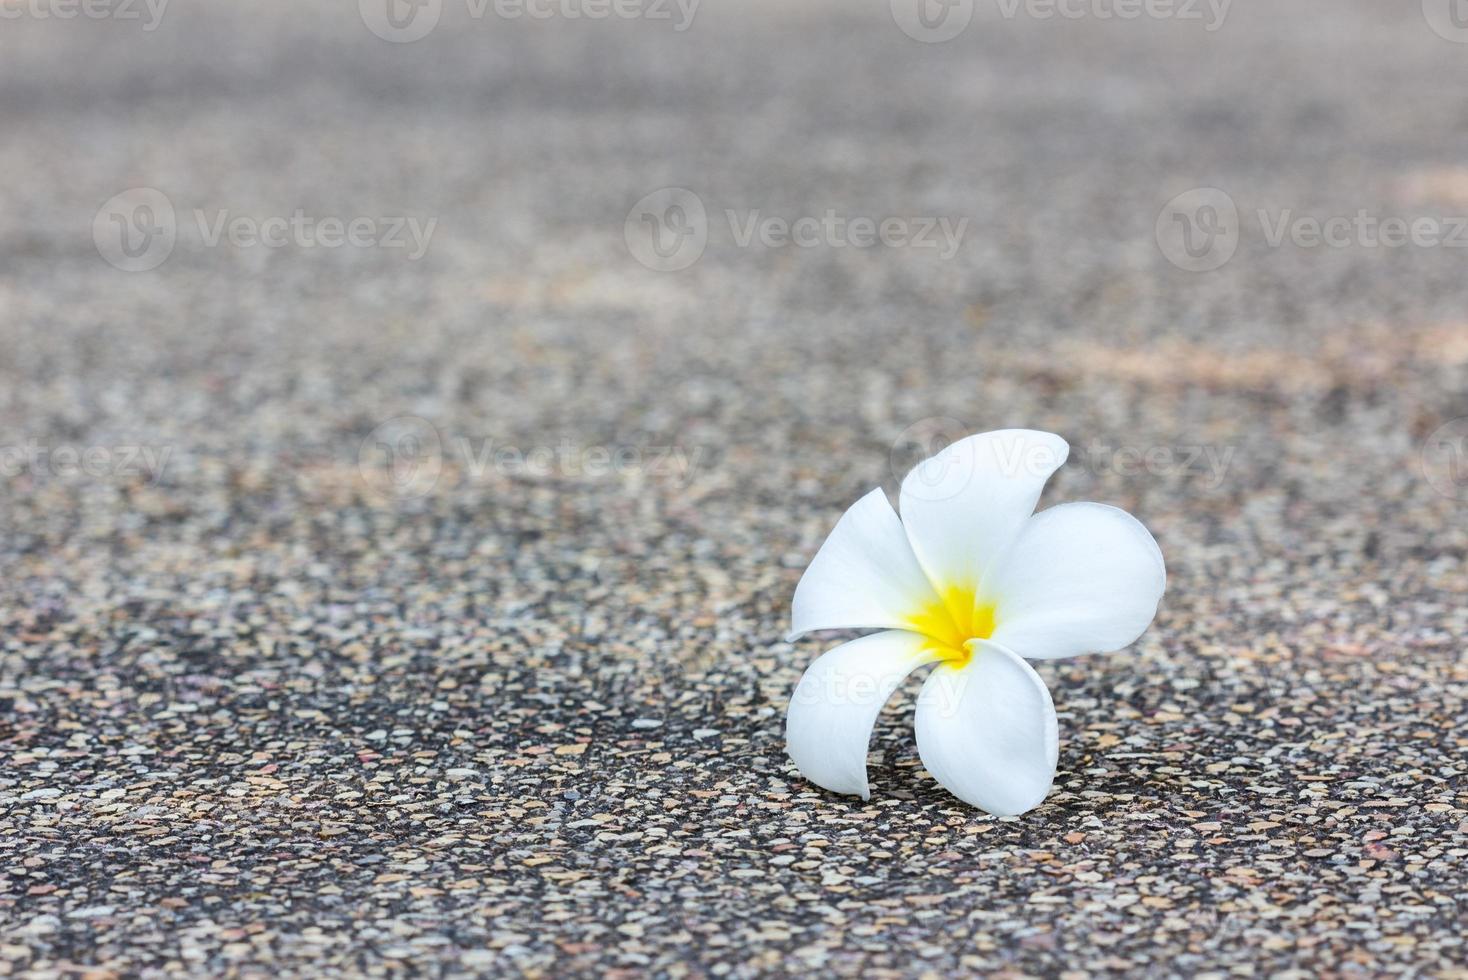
point(837, 702)
point(864, 577)
point(987, 731)
point(963, 507)
point(1081, 578)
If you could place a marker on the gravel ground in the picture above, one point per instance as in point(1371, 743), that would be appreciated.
point(385, 609)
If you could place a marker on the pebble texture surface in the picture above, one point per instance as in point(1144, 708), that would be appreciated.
point(271, 707)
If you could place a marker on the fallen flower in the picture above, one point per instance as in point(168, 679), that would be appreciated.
point(972, 580)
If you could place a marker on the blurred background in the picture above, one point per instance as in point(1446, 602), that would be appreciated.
point(415, 416)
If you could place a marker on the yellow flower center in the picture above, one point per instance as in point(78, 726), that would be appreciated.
point(954, 620)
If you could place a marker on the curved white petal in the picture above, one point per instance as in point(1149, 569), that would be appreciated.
point(1081, 578)
point(864, 577)
point(837, 702)
point(987, 731)
point(964, 507)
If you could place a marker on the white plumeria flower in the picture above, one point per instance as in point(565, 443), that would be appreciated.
point(970, 579)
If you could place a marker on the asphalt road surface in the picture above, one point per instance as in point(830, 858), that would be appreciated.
point(408, 449)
